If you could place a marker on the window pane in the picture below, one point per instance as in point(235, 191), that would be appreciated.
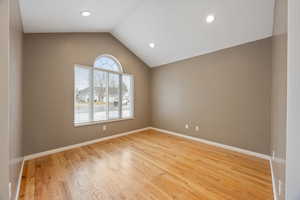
point(100, 95)
point(127, 94)
point(107, 63)
point(113, 95)
point(82, 95)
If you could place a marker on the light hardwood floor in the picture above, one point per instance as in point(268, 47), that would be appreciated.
point(147, 165)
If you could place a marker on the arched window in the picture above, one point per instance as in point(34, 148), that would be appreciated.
point(102, 92)
point(108, 62)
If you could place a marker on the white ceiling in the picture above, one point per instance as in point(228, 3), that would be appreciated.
point(177, 27)
point(42, 16)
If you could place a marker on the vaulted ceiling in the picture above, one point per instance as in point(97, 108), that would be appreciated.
point(178, 28)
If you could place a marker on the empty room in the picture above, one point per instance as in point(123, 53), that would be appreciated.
point(149, 99)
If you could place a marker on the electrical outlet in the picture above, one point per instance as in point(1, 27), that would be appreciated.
point(104, 128)
point(279, 187)
point(273, 155)
point(187, 126)
point(197, 128)
point(9, 190)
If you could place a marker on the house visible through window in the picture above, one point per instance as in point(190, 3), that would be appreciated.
point(102, 92)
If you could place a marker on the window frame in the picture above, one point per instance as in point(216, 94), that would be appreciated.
point(91, 82)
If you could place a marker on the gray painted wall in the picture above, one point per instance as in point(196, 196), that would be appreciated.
point(207, 81)
point(4, 100)
point(48, 88)
point(226, 93)
point(279, 95)
point(11, 96)
point(15, 96)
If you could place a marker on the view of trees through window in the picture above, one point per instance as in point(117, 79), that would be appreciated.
point(102, 95)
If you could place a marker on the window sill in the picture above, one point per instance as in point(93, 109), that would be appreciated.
point(101, 122)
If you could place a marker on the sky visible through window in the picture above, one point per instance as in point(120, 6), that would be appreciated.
point(81, 78)
point(102, 62)
point(107, 63)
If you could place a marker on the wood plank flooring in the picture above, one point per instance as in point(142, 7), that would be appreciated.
point(147, 165)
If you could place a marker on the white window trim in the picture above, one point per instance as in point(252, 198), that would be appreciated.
point(92, 107)
point(101, 122)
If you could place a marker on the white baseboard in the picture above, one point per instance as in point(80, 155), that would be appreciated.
point(236, 149)
point(19, 180)
point(259, 155)
point(45, 153)
point(273, 180)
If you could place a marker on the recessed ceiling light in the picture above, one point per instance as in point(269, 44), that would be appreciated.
point(85, 13)
point(151, 45)
point(210, 19)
